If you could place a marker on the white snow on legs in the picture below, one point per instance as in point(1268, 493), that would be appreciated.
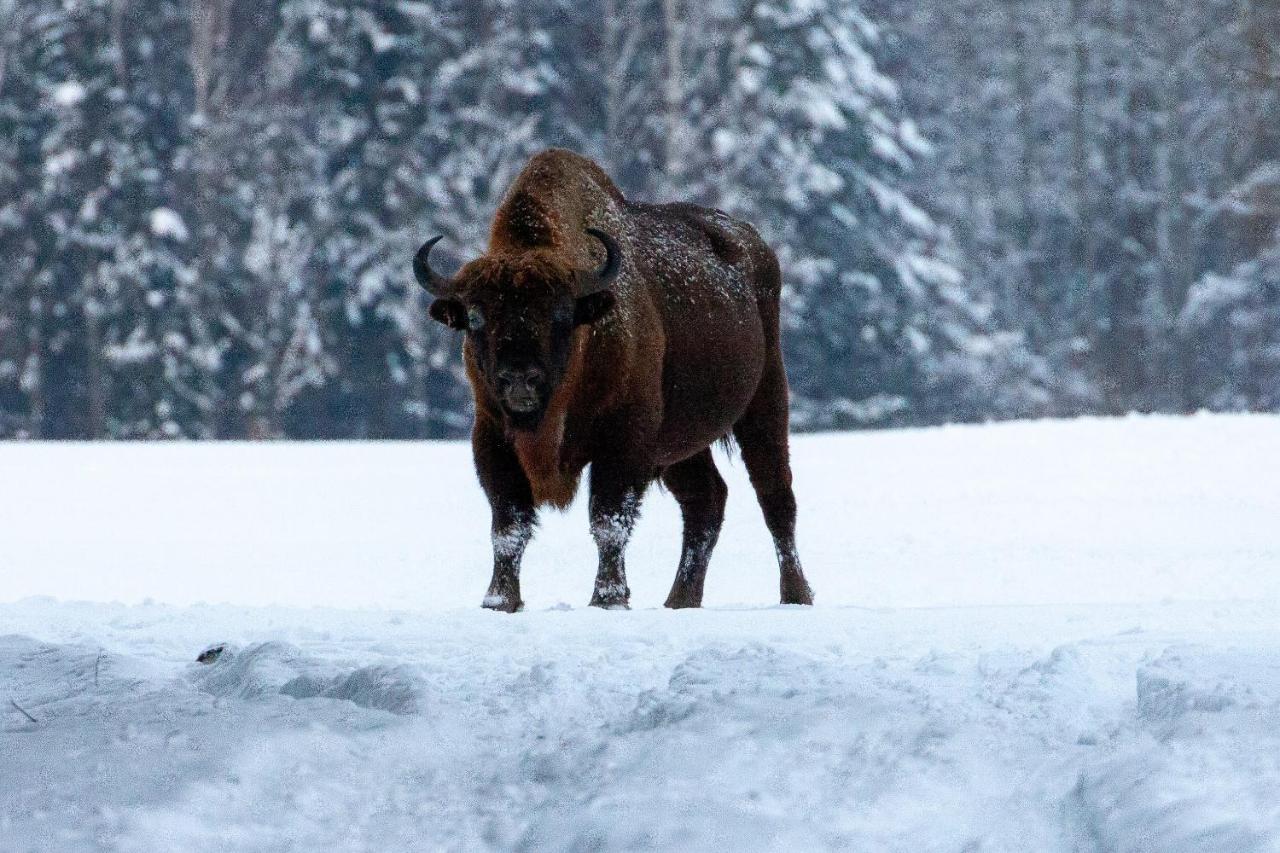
point(611, 530)
point(509, 542)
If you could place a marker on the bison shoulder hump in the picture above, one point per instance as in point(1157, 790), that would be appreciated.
point(524, 220)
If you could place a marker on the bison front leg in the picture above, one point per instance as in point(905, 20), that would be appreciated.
point(514, 515)
point(512, 530)
point(616, 491)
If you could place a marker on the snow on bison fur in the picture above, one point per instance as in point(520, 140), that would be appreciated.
point(630, 337)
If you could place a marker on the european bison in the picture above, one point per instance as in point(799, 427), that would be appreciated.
point(630, 337)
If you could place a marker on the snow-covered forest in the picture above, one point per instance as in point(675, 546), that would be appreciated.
point(984, 208)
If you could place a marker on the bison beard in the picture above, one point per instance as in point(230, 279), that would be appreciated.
point(629, 337)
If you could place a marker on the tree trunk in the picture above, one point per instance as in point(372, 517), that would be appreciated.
point(1085, 251)
point(1032, 290)
point(33, 375)
point(673, 96)
point(97, 379)
point(8, 11)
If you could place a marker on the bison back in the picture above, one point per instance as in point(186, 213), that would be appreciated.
point(714, 284)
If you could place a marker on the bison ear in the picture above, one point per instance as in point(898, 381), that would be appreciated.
point(451, 312)
point(587, 309)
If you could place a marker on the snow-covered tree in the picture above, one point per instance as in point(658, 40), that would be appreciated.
point(1097, 160)
point(207, 207)
point(1232, 324)
point(779, 111)
point(96, 244)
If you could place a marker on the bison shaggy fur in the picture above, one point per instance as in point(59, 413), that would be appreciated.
point(629, 338)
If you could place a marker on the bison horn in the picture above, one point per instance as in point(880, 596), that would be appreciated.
point(432, 282)
point(612, 263)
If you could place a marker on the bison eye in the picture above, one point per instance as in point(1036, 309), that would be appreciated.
point(475, 320)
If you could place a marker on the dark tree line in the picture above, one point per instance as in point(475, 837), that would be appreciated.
point(207, 206)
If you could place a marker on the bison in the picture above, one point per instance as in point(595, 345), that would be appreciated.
point(629, 337)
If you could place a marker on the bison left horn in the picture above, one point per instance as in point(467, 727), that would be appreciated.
point(432, 281)
point(612, 263)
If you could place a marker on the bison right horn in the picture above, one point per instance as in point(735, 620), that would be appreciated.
point(612, 263)
point(431, 281)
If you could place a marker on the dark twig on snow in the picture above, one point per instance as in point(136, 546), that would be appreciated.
point(212, 653)
point(23, 711)
point(97, 664)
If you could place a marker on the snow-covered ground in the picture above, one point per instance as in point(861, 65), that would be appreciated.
point(1045, 636)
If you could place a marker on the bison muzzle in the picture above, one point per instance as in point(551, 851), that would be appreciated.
point(628, 337)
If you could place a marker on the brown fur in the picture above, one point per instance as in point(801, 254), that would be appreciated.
point(540, 452)
point(688, 355)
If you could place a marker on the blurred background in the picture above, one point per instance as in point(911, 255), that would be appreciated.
point(985, 209)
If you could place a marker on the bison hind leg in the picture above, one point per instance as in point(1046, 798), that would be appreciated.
point(762, 439)
point(701, 493)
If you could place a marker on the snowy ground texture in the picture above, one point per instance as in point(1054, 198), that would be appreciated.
point(1047, 636)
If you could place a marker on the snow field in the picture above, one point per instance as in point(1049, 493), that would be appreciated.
point(1052, 636)
point(1138, 509)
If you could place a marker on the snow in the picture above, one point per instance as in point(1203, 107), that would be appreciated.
point(1209, 295)
point(1032, 636)
point(68, 93)
point(167, 223)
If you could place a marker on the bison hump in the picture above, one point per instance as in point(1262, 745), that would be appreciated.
point(525, 221)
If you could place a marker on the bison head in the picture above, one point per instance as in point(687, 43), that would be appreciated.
point(519, 312)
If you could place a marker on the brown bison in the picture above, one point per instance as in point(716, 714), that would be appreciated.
point(630, 337)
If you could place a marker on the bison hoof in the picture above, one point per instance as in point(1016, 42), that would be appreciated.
point(502, 603)
point(796, 592)
point(682, 601)
point(612, 600)
point(795, 589)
